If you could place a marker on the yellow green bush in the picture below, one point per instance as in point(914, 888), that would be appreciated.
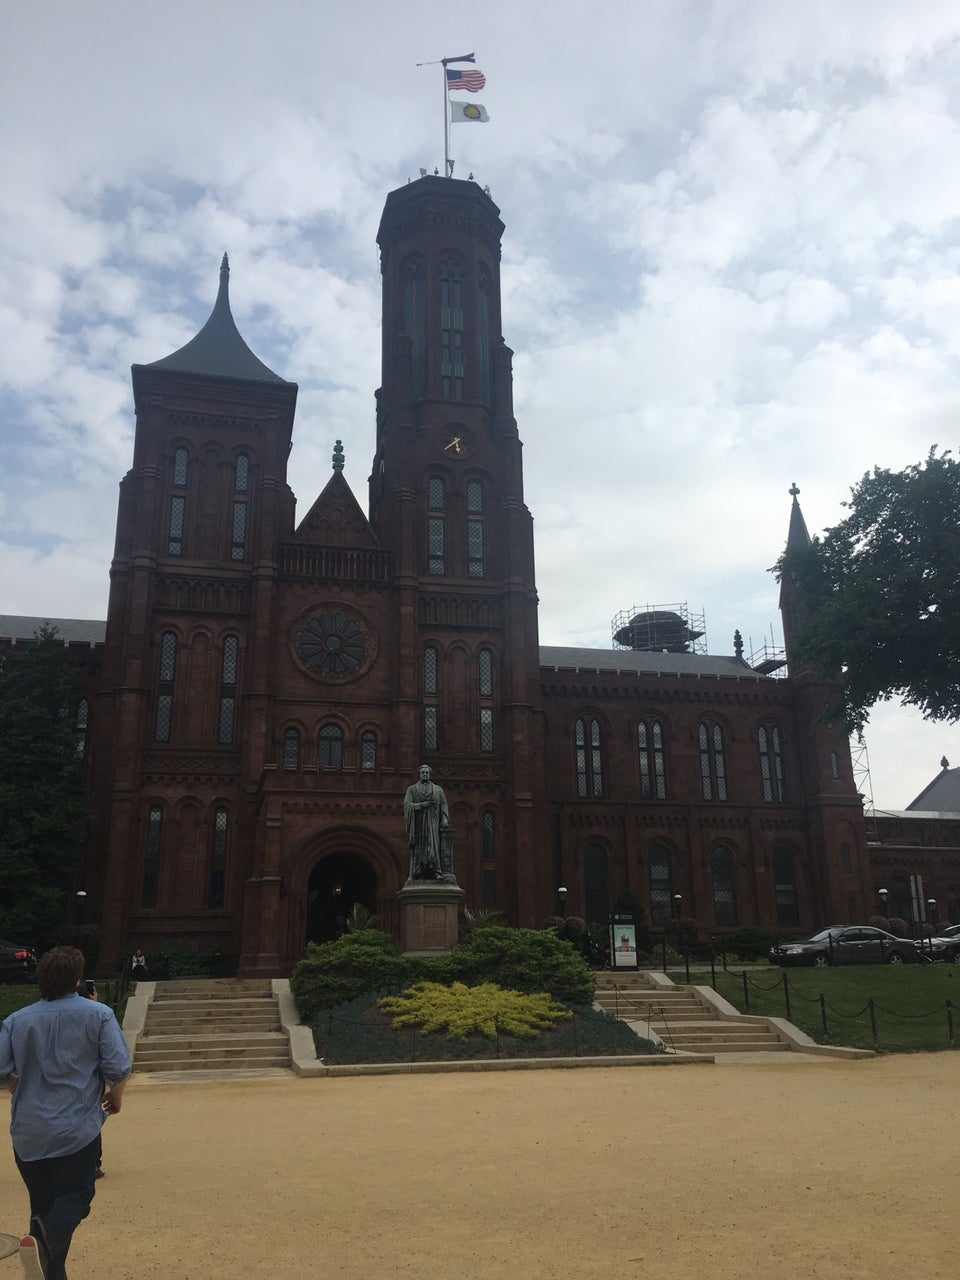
point(461, 1011)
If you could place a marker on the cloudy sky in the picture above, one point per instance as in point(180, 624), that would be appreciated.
point(731, 263)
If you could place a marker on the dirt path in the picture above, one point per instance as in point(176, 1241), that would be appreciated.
point(805, 1168)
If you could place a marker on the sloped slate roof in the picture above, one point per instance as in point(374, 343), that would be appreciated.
point(218, 348)
point(70, 630)
point(645, 663)
point(942, 795)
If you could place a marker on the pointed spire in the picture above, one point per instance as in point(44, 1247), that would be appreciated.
point(218, 348)
point(797, 535)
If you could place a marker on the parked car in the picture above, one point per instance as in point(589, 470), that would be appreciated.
point(17, 963)
point(849, 944)
point(946, 944)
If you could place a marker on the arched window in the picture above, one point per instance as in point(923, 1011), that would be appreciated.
point(436, 494)
point(218, 861)
point(168, 670)
point(724, 886)
point(178, 503)
point(291, 749)
point(238, 535)
point(846, 861)
point(241, 473)
point(151, 857)
point(431, 671)
point(589, 764)
point(451, 328)
point(661, 884)
point(899, 901)
point(229, 668)
point(653, 779)
point(415, 320)
point(785, 888)
point(771, 763)
point(485, 687)
point(330, 747)
point(368, 750)
point(596, 884)
point(488, 851)
point(713, 765)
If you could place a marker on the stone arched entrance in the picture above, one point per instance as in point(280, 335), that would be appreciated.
point(337, 882)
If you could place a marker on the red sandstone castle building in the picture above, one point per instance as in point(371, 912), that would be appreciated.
point(267, 687)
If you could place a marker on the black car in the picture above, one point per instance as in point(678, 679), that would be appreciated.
point(946, 945)
point(17, 963)
point(848, 944)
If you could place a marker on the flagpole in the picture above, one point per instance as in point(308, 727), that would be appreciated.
point(446, 120)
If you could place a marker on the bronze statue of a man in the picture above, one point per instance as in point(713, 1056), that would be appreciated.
point(426, 815)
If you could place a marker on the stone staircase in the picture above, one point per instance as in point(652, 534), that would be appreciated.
point(217, 1024)
point(681, 1018)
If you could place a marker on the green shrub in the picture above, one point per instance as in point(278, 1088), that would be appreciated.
point(748, 943)
point(486, 1010)
point(522, 959)
point(357, 963)
point(360, 1032)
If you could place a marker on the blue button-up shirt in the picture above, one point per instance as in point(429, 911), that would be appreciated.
point(63, 1052)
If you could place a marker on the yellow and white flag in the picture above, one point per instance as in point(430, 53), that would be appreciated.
point(467, 112)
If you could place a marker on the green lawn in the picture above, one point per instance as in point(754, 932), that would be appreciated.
point(909, 1002)
point(15, 996)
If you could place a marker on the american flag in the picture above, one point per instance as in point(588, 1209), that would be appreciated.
point(472, 81)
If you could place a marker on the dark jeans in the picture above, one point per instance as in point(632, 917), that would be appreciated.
point(61, 1189)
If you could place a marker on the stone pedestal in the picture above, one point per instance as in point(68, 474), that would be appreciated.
point(429, 911)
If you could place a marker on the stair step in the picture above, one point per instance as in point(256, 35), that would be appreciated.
point(723, 1046)
point(197, 1041)
point(214, 1062)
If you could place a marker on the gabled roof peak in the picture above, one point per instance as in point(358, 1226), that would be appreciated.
point(218, 348)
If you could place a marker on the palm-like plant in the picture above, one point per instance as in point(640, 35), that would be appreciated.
point(361, 917)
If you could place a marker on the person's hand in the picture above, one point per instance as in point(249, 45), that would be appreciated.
point(113, 1098)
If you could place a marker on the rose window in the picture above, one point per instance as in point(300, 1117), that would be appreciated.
point(332, 644)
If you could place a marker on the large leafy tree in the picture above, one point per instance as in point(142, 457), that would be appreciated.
point(42, 806)
point(877, 598)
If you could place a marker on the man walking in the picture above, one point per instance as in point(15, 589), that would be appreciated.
point(67, 1064)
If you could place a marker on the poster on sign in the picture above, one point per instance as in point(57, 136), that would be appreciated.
point(623, 942)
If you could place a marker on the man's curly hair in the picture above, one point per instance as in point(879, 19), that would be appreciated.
point(59, 972)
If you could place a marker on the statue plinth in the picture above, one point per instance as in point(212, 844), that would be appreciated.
point(429, 916)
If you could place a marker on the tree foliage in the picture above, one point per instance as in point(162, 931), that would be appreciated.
point(42, 806)
point(878, 596)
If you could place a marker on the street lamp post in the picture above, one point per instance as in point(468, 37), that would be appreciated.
point(932, 913)
point(883, 894)
point(562, 895)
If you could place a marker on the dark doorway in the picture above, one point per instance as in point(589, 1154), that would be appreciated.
point(336, 883)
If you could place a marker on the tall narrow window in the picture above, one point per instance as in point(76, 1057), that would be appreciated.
point(483, 282)
point(229, 667)
point(596, 884)
point(241, 474)
point(436, 494)
point(431, 729)
point(834, 764)
point(713, 764)
point(178, 504)
point(724, 886)
point(218, 861)
point(83, 726)
point(151, 857)
point(771, 763)
point(846, 863)
point(368, 750)
point(475, 556)
point(415, 320)
point(291, 749)
point(785, 888)
point(168, 670)
point(431, 671)
point(451, 328)
point(436, 547)
point(653, 778)
point(330, 747)
point(431, 689)
point(589, 764)
point(485, 689)
point(661, 884)
point(238, 536)
point(488, 851)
